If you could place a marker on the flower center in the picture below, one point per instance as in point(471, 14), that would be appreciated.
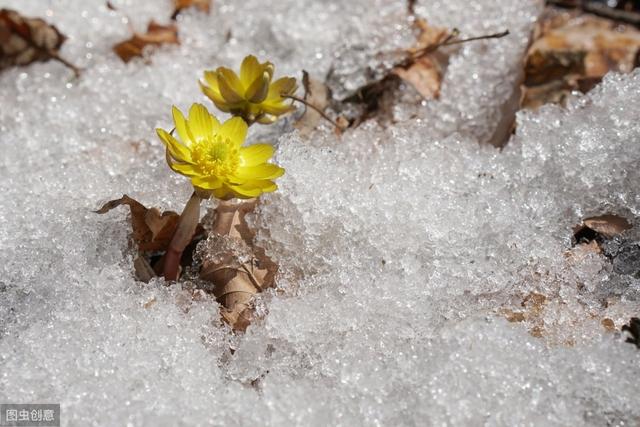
point(216, 156)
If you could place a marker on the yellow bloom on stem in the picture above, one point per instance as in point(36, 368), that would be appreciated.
point(251, 95)
point(212, 156)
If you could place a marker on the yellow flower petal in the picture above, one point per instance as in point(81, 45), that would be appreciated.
point(254, 188)
point(178, 151)
point(266, 119)
point(235, 129)
point(181, 168)
point(215, 97)
point(277, 108)
point(265, 185)
point(249, 70)
point(202, 124)
point(207, 182)
point(181, 127)
point(223, 193)
point(231, 88)
point(284, 85)
point(245, 192)
point(263, 171)
point(211, 78)
point(258, 90)
point(256, 154)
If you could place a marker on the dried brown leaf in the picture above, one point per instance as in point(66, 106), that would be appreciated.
point(236, 281)
point(608, 324)
point(428, 35)
point(143, 270)
point(424, 68)
point(180, 5)
point(317, 94)
point(421, 66)
point(607, 225)
point(156, 35)
point(152, 231)
point(572, 51)
point(26, 40)
point(425, 75)
point(633, 328)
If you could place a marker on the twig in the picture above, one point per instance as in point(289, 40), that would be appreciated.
point(470, 39)
point(54, 55)
point(450, 42)
point(313, 107)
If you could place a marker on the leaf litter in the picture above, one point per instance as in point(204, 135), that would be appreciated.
point(24, 41)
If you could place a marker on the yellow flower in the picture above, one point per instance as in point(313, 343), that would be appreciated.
point(212, 156)
point(251, 95)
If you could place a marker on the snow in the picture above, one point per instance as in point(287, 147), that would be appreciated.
point(402, 249)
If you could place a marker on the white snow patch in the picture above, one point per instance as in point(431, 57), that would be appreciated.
point(398, 247)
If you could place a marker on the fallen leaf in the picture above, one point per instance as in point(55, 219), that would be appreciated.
point(152, 230)
point(180, 5)
point(608, 324)
point(156, 35)
point(27, 40)
point(425, 75)
point(424, 67)
point(428, 36)
point(421, 66)
point(633, 328)
point(317, 94)
point(600, 227)
point(571, 52)
point(607, 225)
point(236, 269)
point(627, 11)
point(143, 270)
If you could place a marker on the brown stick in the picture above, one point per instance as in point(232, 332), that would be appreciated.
point(449, 42)
point(54, 55)
point(182, 237)
point(313, 107)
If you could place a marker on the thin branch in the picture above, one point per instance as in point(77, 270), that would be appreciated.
point(313, 107)
point(470, 39)
point(54, 55)
point(449, 42)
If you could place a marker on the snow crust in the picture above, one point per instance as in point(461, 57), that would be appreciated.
point(403, 250)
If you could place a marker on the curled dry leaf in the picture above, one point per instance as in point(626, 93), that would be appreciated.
point(608, 324)
point(424, 66)
point(600, 227)
point(420, 66)
point(424, 74)
point(156, 35)
point(317, 94)
point(633, 328)
point(180, 5)
point(607, 225)
point(236, 269)
point(27, 40)
point(151, 234)
point(152, 230)
point(572, 51)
